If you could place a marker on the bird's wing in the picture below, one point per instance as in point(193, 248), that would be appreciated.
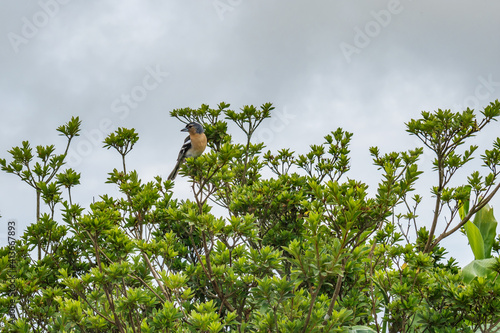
point(185, 147)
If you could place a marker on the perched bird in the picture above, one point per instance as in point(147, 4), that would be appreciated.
point(194, 145)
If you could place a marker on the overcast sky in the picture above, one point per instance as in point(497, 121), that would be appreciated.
point(365, 66)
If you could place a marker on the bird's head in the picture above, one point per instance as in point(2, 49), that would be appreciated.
point(193, 128)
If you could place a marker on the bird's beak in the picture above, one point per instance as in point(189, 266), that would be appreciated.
point(185, 129)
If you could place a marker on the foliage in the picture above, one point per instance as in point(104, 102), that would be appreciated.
point(306, 250)
point(481, 233)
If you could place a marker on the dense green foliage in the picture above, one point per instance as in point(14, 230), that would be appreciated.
point(306, 250)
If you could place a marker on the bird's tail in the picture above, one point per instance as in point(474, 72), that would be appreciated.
point(175, 171)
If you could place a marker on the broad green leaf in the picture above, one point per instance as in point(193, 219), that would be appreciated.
point(487, 225)
point(477, 268)
point(475, 240)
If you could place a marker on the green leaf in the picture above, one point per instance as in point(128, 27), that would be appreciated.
point(478, 268)
point(487, 225)
point(464, 205)
point(475, 240)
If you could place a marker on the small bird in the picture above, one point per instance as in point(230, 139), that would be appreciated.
point(194, 145)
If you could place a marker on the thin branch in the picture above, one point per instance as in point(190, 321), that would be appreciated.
point(473, 211)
